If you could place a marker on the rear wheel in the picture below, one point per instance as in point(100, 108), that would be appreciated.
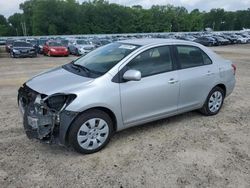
point(214, 102)
point(91, 131)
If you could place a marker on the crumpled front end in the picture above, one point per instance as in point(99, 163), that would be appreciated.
point(45, 117)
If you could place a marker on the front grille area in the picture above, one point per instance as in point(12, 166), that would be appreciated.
point(33, 110)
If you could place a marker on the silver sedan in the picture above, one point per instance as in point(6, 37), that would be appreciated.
point(120, 85)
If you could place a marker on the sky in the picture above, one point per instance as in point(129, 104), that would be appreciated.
point(9, 7)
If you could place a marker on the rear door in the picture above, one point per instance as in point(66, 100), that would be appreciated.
point(196, 75)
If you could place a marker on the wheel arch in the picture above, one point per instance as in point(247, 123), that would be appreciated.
point(101, 108)
point(223, 87)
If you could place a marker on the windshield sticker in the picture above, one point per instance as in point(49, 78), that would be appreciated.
point(128, 47)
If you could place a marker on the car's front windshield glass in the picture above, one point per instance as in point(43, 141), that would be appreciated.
point(22, 44)
point(103, 59)
point(64, 41)
point(81, 42)
point(55, 44)
point(42, 42)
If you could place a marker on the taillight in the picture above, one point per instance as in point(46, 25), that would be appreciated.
point(234, 68)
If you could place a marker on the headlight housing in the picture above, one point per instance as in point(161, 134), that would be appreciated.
point(52, 50)
point(15, 51)
point(58, 102)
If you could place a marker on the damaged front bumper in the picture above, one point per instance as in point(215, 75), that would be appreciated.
point(42, 122)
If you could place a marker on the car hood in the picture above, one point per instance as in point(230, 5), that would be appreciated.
point(58, 47)
point(22, 48)
point(85, 46)
point(57, 80)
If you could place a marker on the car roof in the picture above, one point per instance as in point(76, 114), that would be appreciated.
point(154, 41)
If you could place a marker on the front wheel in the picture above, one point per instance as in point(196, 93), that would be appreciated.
point(12, 54)
point(91, 131)
point(214, 102)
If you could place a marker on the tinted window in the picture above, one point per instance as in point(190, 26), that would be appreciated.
point(153, 61)
point(190, 56)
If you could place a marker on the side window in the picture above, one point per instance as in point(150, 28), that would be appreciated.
point(191, 56)
point(153, 61)
point(206, 59)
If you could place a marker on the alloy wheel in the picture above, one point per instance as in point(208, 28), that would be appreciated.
point(93, 133)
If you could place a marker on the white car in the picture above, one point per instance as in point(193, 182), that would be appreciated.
point(80, 47)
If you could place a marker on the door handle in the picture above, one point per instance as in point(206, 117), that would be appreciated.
point(209, 73)
point(172, 81)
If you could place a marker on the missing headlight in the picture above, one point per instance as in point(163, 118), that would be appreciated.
point(58, 101)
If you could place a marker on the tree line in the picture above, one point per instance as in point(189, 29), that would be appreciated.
point(65, 17)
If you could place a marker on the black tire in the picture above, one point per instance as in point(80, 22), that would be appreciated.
point(77, 52)
point(205, 110)
point(12, 54)
point(79, 121)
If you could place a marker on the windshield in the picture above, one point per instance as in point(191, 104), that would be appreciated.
point(65, 42)
point(55, 44)
point(22, 44)
point(42, 42)
point(32, 41)
point(81, 42)
point(103, 59)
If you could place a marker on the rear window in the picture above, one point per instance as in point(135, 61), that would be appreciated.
point(191, 56)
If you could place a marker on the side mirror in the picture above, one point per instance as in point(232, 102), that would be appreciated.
point(132, 75)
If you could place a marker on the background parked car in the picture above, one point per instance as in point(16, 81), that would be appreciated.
point(41, 43)
point(22, 49)
point(64, 42)
point(8, 44)
point(241, 40)
point(187, 37)
point(52, 48)
point(80, 47)
point(206, 41)
point(221, 40)
point(231, 38)
point(34, 42)
point(2, 41)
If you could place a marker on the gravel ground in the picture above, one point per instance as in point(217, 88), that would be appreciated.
point(187, 150)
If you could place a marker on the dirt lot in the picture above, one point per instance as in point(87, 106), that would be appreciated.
point(188, 150)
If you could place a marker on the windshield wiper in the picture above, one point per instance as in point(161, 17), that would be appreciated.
point(76, 67)
point(80, 67)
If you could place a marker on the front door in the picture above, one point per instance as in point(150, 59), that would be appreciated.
point(156, 94)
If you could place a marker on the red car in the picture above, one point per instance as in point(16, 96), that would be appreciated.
point(52, 48)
